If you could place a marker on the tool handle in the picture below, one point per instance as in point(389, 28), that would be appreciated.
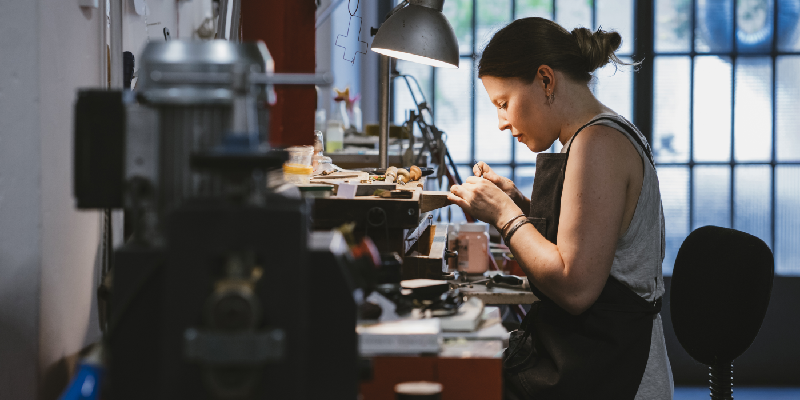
point(507, 279)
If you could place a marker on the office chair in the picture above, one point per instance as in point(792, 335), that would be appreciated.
point(721, 286)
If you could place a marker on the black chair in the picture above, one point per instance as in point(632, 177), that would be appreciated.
point(720, 291)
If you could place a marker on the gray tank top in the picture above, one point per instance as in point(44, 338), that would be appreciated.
point(638, 258)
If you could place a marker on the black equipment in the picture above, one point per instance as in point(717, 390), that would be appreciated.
point(222, 290)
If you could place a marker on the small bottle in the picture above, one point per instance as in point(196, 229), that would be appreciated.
point(473, 248)
point(356, 120)
point(334, 136)
point(341, 113)
point(319, 143)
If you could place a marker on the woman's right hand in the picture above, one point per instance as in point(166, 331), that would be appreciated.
point(481, 169)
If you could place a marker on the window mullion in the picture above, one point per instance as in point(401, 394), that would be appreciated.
point(472, 78)
point(773, 156)
point(734, 60)
point(691, 115)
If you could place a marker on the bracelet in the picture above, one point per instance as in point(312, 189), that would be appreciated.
point(513, 230)
point(510, 221)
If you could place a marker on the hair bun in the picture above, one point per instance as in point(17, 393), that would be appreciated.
point(597, 48)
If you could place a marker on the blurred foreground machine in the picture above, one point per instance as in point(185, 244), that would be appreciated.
point(212, 294)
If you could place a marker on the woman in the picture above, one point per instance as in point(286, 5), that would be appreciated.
point(591, 237)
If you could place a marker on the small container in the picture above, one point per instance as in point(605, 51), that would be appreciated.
point(334, 136)
point(300, 155)
point(473, 248)
point(319, 143)
point(297, 173)
point(322, 164)
point(356, 119)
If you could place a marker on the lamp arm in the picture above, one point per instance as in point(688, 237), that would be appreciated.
point(396, 9)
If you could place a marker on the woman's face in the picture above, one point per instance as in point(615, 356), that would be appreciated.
point(521, 108)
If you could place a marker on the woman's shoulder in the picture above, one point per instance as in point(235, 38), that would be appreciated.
point(603, 149)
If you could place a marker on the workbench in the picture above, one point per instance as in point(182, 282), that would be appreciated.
point(402, 226)
point(499, 295)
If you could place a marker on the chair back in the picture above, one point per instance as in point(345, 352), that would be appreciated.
point(721, 286)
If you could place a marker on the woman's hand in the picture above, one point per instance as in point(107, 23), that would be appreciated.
point(484, 200)
point(481, 169)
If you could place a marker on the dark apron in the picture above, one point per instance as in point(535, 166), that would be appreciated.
point(599, 354)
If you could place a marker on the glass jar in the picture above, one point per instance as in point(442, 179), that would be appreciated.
point(297, 174)
point(473, 248)
point(300, 155)
point(298, 169)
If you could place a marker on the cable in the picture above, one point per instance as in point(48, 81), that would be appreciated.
point(353, 14)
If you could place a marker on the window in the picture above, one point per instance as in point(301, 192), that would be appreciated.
point(725, 107)
point(726, 89)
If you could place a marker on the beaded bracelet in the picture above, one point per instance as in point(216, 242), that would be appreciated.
point(510, 221)
point(513, 230)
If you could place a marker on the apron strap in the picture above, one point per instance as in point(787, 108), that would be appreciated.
point(625, 125)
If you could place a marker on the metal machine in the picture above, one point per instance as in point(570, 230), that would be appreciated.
point(221, 291)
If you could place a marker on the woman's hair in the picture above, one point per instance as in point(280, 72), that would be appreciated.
point(521, 47)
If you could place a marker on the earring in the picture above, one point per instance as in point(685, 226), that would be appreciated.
point(550, 98)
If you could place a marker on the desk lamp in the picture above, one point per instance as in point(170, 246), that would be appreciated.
point(415, 30)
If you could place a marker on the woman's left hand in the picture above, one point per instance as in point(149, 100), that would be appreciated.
point(484, 200)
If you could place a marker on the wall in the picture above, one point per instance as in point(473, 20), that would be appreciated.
point(20, 198)
point(69, 58)
point(49, 251)
point(360, 76)
point(181, 18)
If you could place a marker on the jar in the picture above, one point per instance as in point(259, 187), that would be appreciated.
point(473, 248)
point(300, 155)
point(334, 136)
point(297, 173)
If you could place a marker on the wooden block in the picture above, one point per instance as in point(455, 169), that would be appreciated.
point(431, 200)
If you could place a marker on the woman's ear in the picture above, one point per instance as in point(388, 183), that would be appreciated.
point(546, 74)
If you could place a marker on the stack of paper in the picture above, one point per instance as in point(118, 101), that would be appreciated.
point(414, 336)
point(467, 319)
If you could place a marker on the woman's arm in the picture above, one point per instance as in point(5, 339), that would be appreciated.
point(593, 203)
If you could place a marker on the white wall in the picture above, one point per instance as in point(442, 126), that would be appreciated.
point(20, 198)
point(358, 76)
point(369, 67)
point(49, 250)
point(69, 58)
